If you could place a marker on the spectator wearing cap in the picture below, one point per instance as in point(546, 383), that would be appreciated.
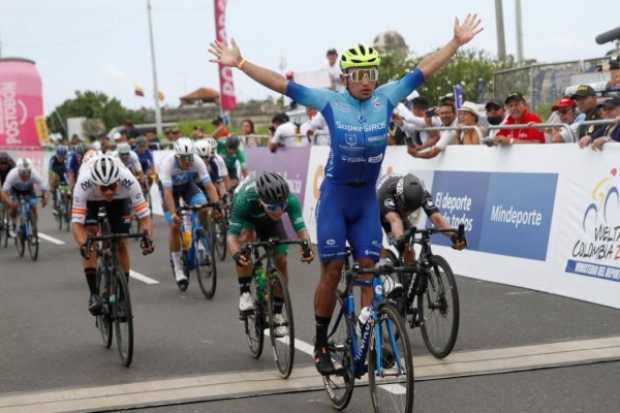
point(417, 118)
point(518, 114)
point(469, 116)
point(221, 131)
point(585, 98)
point(614, 73)
point(565, 109)
point(447, 115)
point(495, 115)
point(333, 68)
point(285, 134)
point(608, 133)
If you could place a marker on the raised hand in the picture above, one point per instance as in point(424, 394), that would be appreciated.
point(463, 33)
point(225, 54)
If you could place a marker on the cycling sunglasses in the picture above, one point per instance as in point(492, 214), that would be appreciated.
point(108, 188)
point(275, 207)
point(186, 157)
point(359, 75)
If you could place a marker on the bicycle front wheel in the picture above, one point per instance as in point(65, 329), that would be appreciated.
point(103, 321)
point(20, 242)
point(339, 386)
point(390, 363)
point(206, 274)
point(122, 317)
point(220, 239)
point(33, 240)
point(254, 326)
point(439, 309)
point(281, 324)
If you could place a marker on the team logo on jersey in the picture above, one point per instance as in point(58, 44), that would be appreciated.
point(376, 103)
point(330, 242)
point(375, 159)
point(126, 183)
point(86, 185)
point(350, 139)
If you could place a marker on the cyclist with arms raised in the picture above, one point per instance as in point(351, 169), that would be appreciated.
point(358, 120)
point(258, 207)
point(106, 182)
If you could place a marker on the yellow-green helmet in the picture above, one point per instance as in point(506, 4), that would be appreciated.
point(359, 56)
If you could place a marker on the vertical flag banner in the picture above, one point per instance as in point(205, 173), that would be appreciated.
point(21, 104)
point(458, 96)
point(227, 87)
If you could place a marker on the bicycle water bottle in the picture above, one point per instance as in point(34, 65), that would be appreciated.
point(261, 280)
point(187, 231)
point(364, 315)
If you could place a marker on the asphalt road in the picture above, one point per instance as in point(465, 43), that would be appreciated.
point(49, 340)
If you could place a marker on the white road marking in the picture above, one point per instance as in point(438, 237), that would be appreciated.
point(142, 277)
point(299, 345)
point(257, 383)
point(519, 292)
point(51, 239)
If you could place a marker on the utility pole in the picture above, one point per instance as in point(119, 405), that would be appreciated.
point(519, 24)
point(158, 122)
point(499, 24)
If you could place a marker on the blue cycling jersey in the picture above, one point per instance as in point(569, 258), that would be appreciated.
point(358, 129)
point(58, 167)
point(146, 159)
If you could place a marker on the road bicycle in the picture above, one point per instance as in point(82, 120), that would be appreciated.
point(379, 347)
point(272, 305)
point(430, 300)
point(26, 233)
point(62, 211)
point(116, 317)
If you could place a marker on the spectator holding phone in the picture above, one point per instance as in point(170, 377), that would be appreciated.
point(447, 115)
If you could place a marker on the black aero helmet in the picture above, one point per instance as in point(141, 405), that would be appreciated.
point(272, 188)
point(409, 192)
point(232, 142)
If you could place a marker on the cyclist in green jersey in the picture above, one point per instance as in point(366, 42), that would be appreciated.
point(257, 210)
point(230, 151)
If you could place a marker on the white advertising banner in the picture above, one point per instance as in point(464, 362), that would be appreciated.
point(539, 217)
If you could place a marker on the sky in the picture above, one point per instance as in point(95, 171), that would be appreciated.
point(103, 44)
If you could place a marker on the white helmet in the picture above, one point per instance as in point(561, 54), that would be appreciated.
point(203, 148)
point(105, 170)
point(24, 166)
point(123, 149)
point(183, 147)
point(212, 145)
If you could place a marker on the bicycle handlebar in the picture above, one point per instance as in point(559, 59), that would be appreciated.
point(274, 242)
point(199, 207)
point(426, 233)
point(110, 237)
point(383, 269)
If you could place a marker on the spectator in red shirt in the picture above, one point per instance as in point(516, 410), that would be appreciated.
point(518, 114)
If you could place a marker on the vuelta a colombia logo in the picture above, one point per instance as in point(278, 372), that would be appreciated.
point(599, 238)
point(13, 113)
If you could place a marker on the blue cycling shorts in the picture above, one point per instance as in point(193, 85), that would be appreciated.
point(348, 214)
point(192, 195)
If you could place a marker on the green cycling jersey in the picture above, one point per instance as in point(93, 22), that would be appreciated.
point(231, 160)
point(247, 211)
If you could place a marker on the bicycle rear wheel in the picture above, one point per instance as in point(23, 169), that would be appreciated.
point(254, 326)
point(5, 226)
point(281, 324)
point(439, 309)
point(390, 363)
point(339, 386)
point(104, 321)
point(33, 240)
point(207, 274)
point(67, 210)
point(122, 317)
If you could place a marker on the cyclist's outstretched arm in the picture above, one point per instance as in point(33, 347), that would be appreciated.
point(230, 55)
point(463, 33)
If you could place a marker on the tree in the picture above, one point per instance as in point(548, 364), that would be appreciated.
point(472, 69)
point(92, 105)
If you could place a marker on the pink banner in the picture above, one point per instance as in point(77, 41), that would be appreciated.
point(227, 87)
point(22, 123)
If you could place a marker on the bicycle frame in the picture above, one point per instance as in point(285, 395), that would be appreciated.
point(360, 350)
point(24, 214)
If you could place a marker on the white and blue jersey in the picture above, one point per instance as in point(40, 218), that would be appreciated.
point(358, 131)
